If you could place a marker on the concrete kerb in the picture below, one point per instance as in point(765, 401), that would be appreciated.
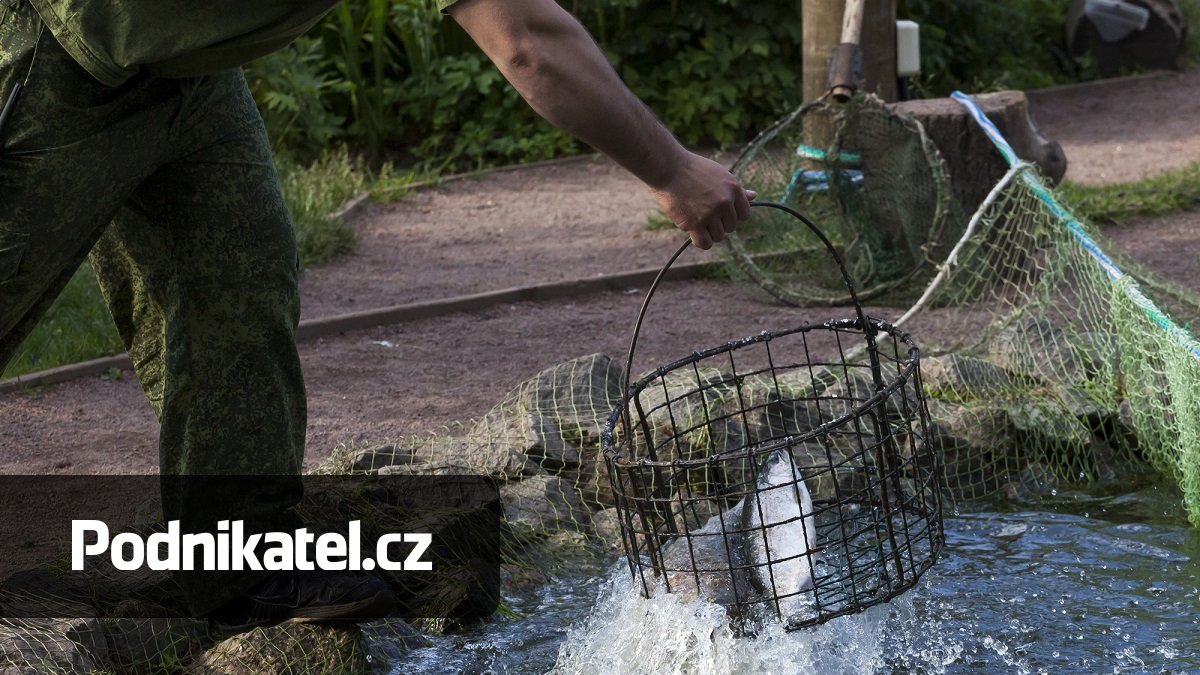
point(318, 328)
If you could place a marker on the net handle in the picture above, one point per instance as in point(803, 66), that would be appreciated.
point(868, 328)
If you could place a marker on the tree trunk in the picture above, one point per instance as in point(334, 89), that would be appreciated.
point(822, 21)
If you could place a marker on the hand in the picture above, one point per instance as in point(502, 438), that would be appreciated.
point(704, 200)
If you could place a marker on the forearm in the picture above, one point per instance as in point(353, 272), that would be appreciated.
point(556, 66)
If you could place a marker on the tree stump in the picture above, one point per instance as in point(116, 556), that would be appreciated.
point(974, 164)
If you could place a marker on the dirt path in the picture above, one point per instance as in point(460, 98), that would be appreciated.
point(1123, 130)
point(571, 220)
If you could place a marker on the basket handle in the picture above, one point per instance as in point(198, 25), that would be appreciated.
point(868, 328)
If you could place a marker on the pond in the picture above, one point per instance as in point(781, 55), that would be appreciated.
point(1079, 583)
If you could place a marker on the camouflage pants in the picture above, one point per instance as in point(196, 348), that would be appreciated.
point(170, 185)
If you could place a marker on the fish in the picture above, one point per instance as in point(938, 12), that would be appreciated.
point(779, 535)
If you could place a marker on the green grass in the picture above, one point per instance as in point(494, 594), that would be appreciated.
point(77, 327)
point(315, 191)
point(1169, 192)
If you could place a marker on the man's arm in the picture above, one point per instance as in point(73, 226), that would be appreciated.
point(557, 67)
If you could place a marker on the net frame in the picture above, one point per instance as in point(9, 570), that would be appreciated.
point(846, 184)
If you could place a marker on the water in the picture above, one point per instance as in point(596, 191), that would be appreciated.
point(1086, 583)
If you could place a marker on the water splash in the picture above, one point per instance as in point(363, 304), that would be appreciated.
point(683, 634)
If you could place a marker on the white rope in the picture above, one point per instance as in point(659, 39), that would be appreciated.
point(952, 258)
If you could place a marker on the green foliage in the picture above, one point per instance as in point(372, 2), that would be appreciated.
point(1191, 42)
point(714, 71)
point(312, 193)
point(409, 83)
point(659, 221)
point(982, 45)
point(293, 89)
point(394, 78)
point(1159, 195)
point(471, 118)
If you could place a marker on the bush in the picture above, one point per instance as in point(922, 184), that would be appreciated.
point(409, 84)
point(983, 45)
point(393, 78)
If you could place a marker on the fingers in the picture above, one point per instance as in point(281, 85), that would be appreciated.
point(716, 229)
point(706, 201)
point(701, 240)
point(741, 203)
point(722, 219)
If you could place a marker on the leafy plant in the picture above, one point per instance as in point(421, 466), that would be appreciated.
point(410, 84)
point(981, 45)
point(294, 92)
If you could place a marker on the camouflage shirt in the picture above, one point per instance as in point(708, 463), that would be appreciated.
point(174, 38)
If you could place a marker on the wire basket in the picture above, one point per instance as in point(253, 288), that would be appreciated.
point(787, 474)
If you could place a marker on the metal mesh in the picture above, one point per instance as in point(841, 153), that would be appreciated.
point(774, 476)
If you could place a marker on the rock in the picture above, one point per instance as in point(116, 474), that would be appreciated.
point(955, 377)
point(687, 415)
point(1084, 406)
point(1034, 347)
point(62, 646)
point(141, 640)
point(287, 648)
point(444, 456)
point(591, 481)
point(831, 466)
point(781, 405)
point(1046, 426)
point(525, 577)
point(688, 422)
point(1035, 481)
point(1100, 348)
point(975, 445)
point(542, 505)
point(40, 593)
point(579, 394)
point(1125, 430)
point(551, 421)
point(606, 525)
point(373, 458)
point(109, 586)
point(531, 435)
point(388, 641)
point(708, 563)
point(693, 512)
point(1111, 463)
point(850, 393)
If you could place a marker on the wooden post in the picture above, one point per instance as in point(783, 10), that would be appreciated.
point(822, 20)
